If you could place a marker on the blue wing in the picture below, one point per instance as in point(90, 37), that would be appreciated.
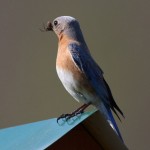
point(94, 74)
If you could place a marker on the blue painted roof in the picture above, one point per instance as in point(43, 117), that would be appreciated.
point(37, 135)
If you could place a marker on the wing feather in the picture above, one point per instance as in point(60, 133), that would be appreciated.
point(94, 74)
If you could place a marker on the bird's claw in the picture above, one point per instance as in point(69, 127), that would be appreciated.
point(69, 116)
point(77, 112)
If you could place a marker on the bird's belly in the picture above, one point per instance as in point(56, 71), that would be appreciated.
point(74, 87)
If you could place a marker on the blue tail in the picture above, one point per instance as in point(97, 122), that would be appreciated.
point(113, 123)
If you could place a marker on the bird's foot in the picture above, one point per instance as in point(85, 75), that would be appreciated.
point(77, 112)
point(69, 116)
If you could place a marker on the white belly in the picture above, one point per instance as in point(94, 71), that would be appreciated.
point(68, 81)
point(71, 85)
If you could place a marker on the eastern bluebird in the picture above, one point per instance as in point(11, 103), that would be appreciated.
point(79, 73)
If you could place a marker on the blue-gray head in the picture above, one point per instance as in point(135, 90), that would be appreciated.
point(65, 25)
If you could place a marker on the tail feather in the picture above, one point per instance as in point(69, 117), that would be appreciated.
point(113, 124)
point(113, 109)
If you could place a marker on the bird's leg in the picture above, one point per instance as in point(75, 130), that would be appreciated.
point(78, 111)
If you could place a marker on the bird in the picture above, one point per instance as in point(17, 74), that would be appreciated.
point(79, 73)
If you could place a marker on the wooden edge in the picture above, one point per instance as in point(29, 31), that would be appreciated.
point(101, 131)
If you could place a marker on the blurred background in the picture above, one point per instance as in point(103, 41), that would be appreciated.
point(118, 35)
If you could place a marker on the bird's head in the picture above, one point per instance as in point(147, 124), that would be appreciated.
point(65, 25)
point(61, 24)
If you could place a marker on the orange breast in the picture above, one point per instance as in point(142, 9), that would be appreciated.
point(64, 61)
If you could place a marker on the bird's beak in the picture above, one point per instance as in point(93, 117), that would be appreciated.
point(49, 26)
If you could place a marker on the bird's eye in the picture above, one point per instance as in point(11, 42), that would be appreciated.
point(55, 23)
